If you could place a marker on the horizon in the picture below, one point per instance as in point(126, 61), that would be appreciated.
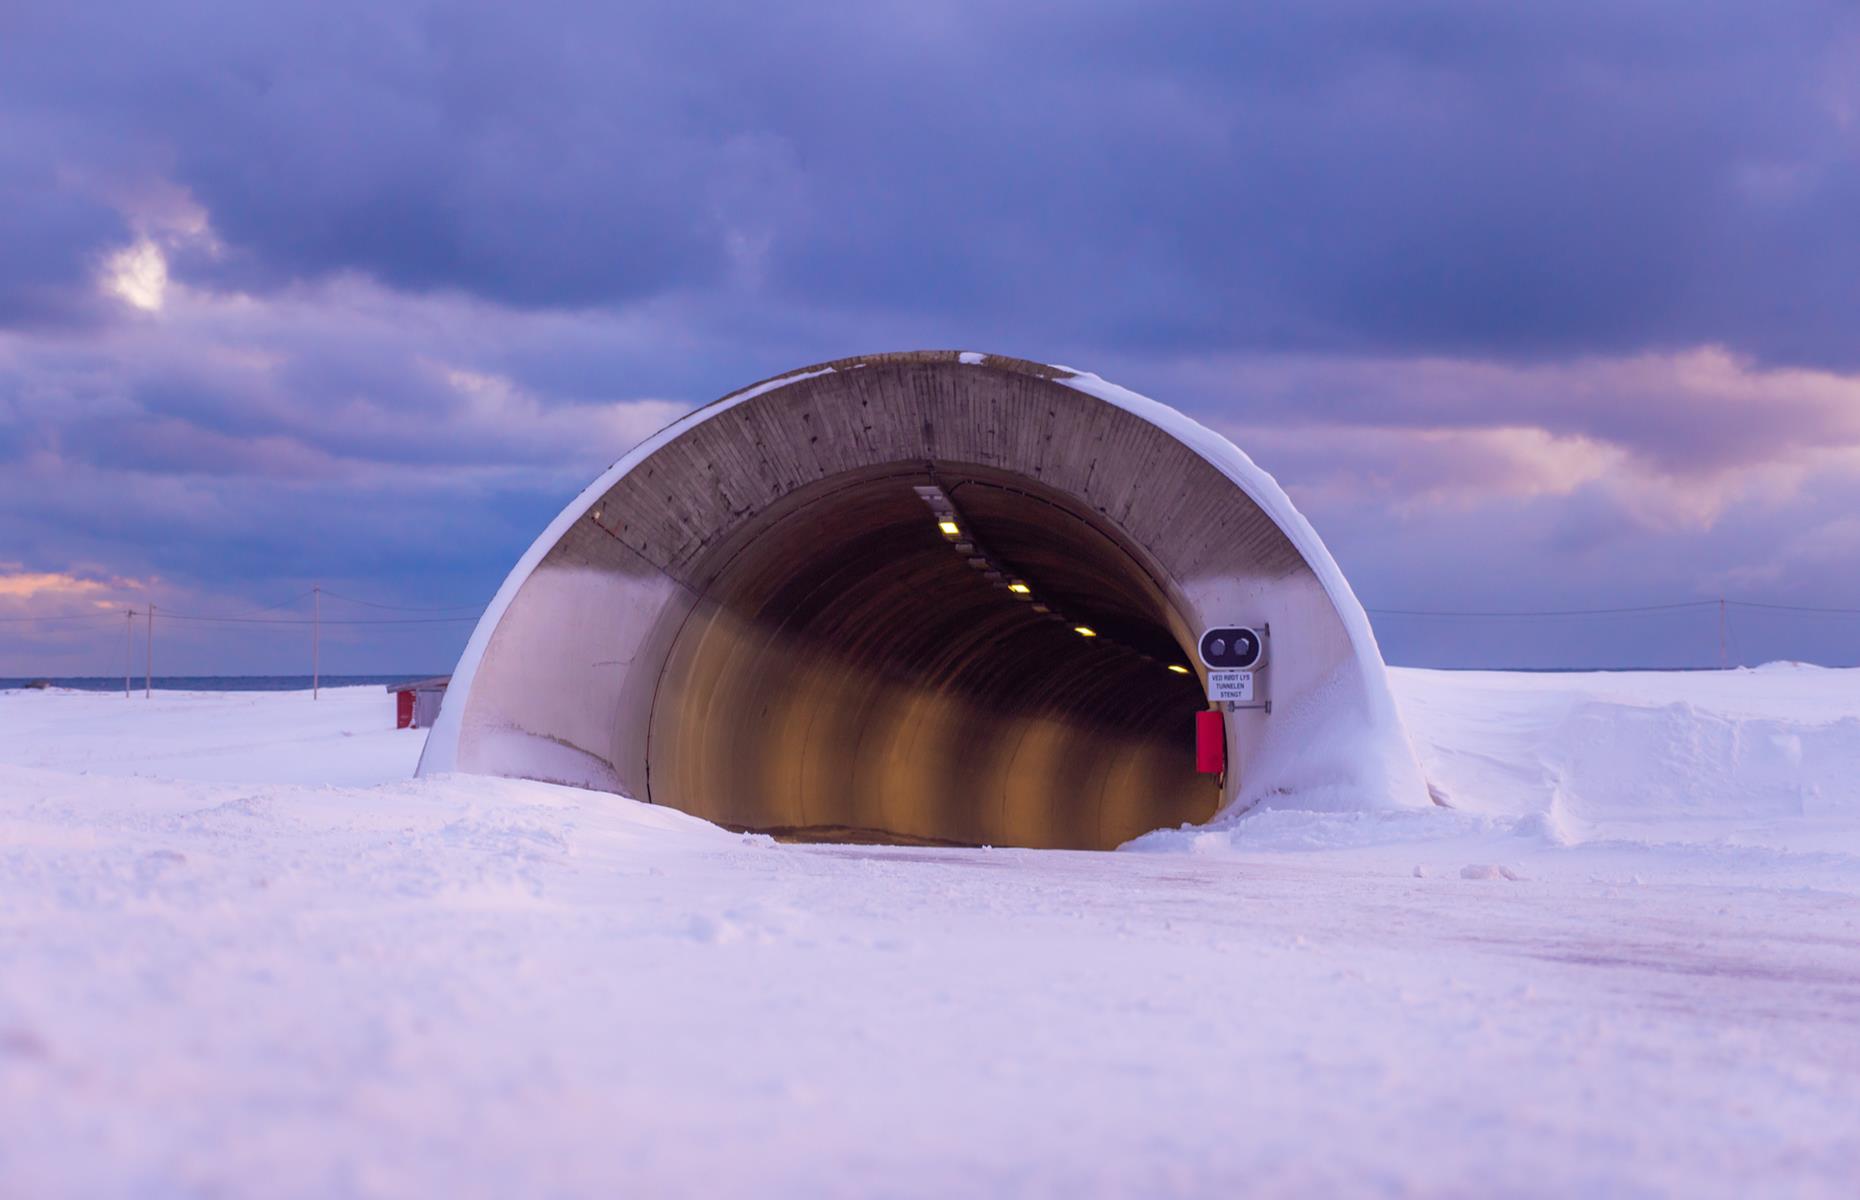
point(107, 683)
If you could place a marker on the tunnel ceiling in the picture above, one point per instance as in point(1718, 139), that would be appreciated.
point(712, 483)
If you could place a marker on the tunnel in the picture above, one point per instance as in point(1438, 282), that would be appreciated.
point(851, 674)
point(934, 597)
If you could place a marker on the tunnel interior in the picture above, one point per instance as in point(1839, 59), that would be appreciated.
point(849, 671)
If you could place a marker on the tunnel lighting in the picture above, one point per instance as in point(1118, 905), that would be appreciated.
point(1019, 588)
point(1084, 631)
point(1178, 668)
point(948, 527)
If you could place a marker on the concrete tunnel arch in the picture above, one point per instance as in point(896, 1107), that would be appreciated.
point(754, 617)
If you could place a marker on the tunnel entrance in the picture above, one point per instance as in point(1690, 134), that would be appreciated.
point(854, 669)
point(756, 616)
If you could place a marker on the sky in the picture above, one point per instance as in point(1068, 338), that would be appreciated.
point(1530, 307)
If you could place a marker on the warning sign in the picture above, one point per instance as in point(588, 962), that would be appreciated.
point(1235, 686)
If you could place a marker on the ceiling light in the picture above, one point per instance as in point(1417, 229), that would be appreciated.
point(948, 527)
point(1084, 631)
point(1178, 668)
point(1019, 588)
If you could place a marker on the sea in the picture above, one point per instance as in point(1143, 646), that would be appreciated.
point(215, 683)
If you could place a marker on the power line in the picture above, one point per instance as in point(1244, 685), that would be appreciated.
point(1543, 612)
point(402, 607)
point(174, 616)
point(1805, 608)
point(1595, 612)
point(286, 603)
point(113, 613)
point(221, 619)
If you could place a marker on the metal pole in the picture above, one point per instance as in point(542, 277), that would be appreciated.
point(316, 641)
point(1723, 661)
point(129, 648)
point(148, 678)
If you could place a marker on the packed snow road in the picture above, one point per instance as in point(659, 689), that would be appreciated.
point(241, 954)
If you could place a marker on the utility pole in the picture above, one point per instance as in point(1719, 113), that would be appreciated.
point(1723, 660)
point(316, 640)
point(129, 647)
point(148, 641)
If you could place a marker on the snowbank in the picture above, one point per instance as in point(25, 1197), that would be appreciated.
point(1768, 756)
point(1600, 750)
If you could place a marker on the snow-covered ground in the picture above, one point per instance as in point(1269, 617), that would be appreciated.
point(241, 953)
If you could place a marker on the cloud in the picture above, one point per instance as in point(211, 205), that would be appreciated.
point(138, 275)
point(1675, 437)
point(16, 584)
point(328, 382)
point(65, 595)
point(1449, 178)
point(1425, 468)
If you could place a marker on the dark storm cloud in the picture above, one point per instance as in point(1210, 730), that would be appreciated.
point(1448, 177)
point(511, 155)
point(53, 236)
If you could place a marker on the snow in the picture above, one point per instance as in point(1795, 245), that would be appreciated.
point(241, 952)
point(1606, 751)
point(345, 737)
